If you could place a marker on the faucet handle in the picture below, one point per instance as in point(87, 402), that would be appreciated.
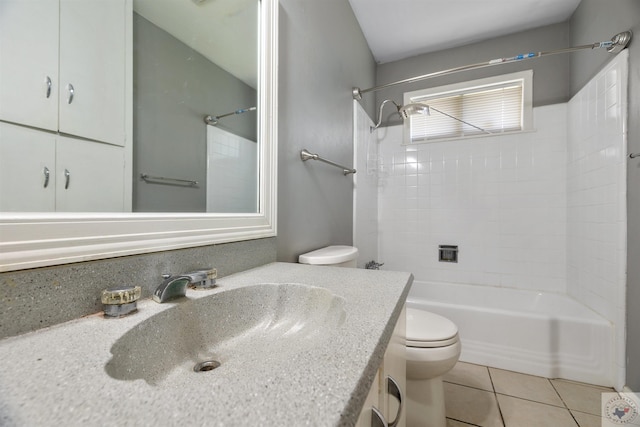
point(121, 300)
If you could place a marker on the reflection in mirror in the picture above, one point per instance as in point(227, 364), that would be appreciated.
point(192, 60)
point(88, 105)
point(66, 104)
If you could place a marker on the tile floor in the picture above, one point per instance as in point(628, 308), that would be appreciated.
point(480, 396)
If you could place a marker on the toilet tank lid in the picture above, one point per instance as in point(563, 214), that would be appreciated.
point(329, 255)
point(423, 326)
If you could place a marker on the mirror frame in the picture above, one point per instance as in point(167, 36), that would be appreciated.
point(29, 240)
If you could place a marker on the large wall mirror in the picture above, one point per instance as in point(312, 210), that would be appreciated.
point(136, 126)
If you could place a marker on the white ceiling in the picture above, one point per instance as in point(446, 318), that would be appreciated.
point(398, 29)
point(224, 31)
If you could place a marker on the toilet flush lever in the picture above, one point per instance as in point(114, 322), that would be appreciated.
point(373, 265)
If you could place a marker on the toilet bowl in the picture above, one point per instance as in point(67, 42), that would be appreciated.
point(433, 348)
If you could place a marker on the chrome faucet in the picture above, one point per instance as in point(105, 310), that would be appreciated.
point(176, 286)
point(171, 287)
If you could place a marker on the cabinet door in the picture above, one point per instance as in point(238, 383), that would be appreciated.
point(90, 176)
point(375, 400)
point(395, 366)
point(26, 155)
point(92, 62)
point(392, 409)
point(29, 62)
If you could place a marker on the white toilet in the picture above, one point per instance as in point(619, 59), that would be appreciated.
point(433, 347)
point(335, 256)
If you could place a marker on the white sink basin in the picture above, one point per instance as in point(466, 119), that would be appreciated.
point(253, 325)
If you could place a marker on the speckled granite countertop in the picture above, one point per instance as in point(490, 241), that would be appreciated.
point(56, 376)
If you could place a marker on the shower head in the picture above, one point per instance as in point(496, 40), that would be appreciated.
point(410, 109)
point(418, 108)
point(403, 110)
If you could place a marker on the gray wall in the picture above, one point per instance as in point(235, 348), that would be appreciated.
point(323, 54)
point(596, 20)
point(550, 74)
point(174, 87)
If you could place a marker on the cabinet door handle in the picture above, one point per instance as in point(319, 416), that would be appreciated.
point(67, 178)
point(46, 173)
point(71, 91)
point(377, 419)
point(394, 390)
point(48, 83)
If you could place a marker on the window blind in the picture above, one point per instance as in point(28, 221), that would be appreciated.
point(495, 108)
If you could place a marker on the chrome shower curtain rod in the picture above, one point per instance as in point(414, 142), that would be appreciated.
point(615, 45)
point(213, 120)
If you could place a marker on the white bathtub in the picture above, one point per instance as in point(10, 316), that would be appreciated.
point(545, 334)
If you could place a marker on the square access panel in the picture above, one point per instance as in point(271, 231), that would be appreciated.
point(448, 253)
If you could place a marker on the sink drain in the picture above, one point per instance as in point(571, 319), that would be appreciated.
point(207, 365)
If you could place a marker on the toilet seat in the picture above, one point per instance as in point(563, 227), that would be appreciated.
point(433, 344)
point(429, 330)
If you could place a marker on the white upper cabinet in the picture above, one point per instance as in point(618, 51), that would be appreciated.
point(92, 65)
point(63, 66)
point(29, 62)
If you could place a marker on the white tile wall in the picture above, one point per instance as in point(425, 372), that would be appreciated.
point(596, 191)
point(500, 199)
point(596, 197)
point(365, 195)
point(232, 180)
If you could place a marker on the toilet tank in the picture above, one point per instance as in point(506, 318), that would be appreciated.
point(336, 256)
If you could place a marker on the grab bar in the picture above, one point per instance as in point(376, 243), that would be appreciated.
point(168, 181)
point(306, 155)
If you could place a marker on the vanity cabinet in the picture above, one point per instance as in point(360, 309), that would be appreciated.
point(63, 66)
point(45, 172)
point(387, 395)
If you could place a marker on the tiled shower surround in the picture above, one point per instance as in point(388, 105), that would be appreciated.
point(501, 199)
point(596, 197)
point(542, 210)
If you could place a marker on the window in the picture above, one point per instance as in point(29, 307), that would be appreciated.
point(488, 106)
